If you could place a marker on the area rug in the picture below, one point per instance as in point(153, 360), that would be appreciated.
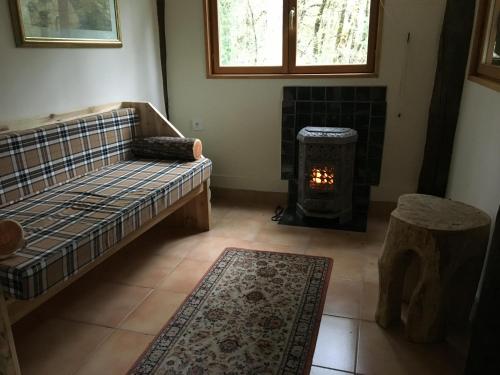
point(254, 312)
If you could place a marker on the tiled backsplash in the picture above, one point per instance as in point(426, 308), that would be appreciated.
point(360, 108)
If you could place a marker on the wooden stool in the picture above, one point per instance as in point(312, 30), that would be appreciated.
point(446, 241)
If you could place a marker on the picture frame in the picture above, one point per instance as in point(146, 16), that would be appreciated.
point(66, 23)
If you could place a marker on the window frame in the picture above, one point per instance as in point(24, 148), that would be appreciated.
point(289, 69)
point(480, 72)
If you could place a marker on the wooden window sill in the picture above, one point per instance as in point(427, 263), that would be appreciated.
point(484, 81)
point(290, 76)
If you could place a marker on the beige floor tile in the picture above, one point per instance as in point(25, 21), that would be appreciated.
point(210, 248)
point(386, 352)
point(337, 240)
point(369, 300)
point(373, 247)
point(158, 237)
point(173, 261)
point(343, 298)
point(252, 245)
point(273, 233)
point(146, 271)
point(347, 264)
point(154, 312)
point(178, 245)
point(336, 344)
point(370, 268)
point(185, 277)
point(262, 246)
point(106, 304)
point(259, 213)
point(245, 229)
point(57, 346)
point(325, 371)
point(109, 267)
point(117, 354)
point(218, 213)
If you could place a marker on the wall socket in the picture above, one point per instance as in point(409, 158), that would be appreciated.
point(197, 125)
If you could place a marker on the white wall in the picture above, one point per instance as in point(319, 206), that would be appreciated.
point(475, 168)
point(39, 81)
point(242, 117)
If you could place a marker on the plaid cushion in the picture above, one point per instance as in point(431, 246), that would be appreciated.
point(70, 225)
point(35, 159)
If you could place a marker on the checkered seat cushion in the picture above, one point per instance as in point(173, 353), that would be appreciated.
point(72, 218)
point(70, 225)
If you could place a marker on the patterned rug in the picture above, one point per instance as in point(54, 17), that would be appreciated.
point(254, 312)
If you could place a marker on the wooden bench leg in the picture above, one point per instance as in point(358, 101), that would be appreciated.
point(198, 211)
point(9, 365)
point(195, 213)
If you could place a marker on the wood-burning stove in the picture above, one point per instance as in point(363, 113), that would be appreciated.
point(360, 108)
point(326, 170)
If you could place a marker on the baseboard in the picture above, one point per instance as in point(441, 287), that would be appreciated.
point(382, 208)
point(248, 196)
point(269, 197)
point(252, 183)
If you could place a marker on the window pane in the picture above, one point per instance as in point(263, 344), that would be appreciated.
point(495, 58)
point(332, 32)
point(250, 32)
point(493, 42)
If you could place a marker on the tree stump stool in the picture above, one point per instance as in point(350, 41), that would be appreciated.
point(447, 242)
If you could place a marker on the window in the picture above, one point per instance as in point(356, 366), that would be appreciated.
point(485, 60)
point(290, 37)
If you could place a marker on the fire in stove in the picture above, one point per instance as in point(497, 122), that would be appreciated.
point(322, 178)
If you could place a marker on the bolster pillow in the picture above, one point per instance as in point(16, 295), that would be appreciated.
point(170, 148)
point(11, 237)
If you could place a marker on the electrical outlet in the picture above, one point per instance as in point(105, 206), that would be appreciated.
point(196, 125)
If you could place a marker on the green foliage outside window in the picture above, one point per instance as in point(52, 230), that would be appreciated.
point(329, 32)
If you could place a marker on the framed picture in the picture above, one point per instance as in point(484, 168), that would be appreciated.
point(66, 23)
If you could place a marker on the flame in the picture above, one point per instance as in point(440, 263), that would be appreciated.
point(322, 178)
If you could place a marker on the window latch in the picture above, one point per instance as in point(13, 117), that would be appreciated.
point(291, 18)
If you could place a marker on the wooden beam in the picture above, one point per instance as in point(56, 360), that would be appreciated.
point(59, 117)
point(446, 97)
point(160, 12)
point(153, 123)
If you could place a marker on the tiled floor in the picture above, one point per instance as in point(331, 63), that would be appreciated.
point(102, 323)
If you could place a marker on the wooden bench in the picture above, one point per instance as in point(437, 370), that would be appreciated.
point(192, 209)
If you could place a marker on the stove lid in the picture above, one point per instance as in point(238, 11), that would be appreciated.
point(313, 134)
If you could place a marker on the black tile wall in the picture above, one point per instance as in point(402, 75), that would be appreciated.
point(360, 108)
